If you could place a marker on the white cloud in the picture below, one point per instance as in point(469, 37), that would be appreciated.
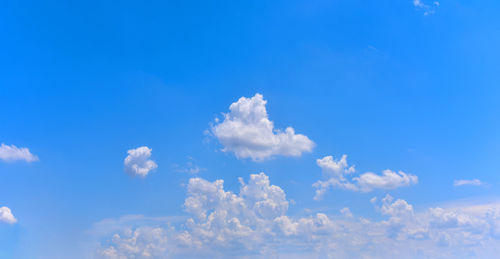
point(137, 163)
point(12, 153)
point(144, 242)
point(399, 208)
point(7, 216)
point(337, 174)
point(221, 220)
point(467, 182)
point(254, 224)
point(388, 180)
point(338, 168)
point(224, 220)
point(247, 132)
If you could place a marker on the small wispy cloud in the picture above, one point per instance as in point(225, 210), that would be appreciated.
point(190, 167)
point(427, 8)
point(12, 153)
point(475, 182)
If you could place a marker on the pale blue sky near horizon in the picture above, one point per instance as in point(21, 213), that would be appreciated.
point(381, 81)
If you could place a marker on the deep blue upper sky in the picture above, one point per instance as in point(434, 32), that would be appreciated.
point(83, 82)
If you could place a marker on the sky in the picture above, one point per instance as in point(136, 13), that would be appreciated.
point(250, 129)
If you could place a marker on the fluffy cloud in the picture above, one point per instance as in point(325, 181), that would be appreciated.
point(247, 132)
point(144, 242)
point(467, 182)
point(337, 174)
point(224, 220)
point(137, 163)
point(221, 221)
point(12, 153)
point(388, 180)
point(254, 224)
point(7, 216)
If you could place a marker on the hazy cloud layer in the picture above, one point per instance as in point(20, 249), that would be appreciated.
point(247, 132)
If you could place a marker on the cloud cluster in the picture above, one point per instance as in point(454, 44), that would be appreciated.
point(254, 223)
point(247, 132)
point(137, 163)
point(12, 153)
point(6, 215)
point(221, 221)
point(144, 242)
point(338, 174)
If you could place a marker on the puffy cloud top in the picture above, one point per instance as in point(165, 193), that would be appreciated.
point(137, 163)
point(7, 216)
point(225, 219)
point(247, 132)
point(220, 221)
point(12, 153)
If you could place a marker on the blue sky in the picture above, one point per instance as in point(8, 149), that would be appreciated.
point(408, 86)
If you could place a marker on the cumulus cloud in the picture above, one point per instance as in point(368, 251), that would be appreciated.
point(254, 223)
point(220, 220)
point(12, 153)
point(144, 242)
point(467, 182)
point(137, 163)
point(338, 174)
point(247, 132)
point(6, 215)
point(397, 208)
